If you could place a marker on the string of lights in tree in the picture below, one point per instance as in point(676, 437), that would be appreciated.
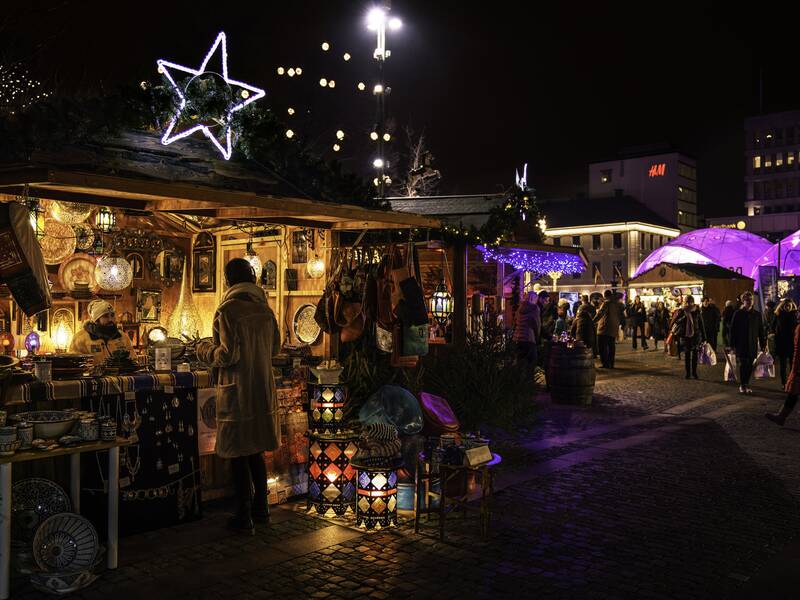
point(535, 261)
point(18, 90)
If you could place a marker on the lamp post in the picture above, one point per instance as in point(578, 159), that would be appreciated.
point(377, 20)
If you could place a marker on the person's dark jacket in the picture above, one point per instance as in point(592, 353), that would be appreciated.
point(747, 333)
point(711, 319)
point(660, 324)
point(785, 324)
point(549, 313)
point(589, 307)
point(609, 317)
point(583, 326)
point(637, 313)
point(727, 317)
point(770, 319)
point(688, 326)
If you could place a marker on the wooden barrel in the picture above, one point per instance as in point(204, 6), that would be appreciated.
point(570, 375)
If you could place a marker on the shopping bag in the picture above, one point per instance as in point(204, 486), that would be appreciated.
point(707, 356)
point(731, 373)
point(764, 366)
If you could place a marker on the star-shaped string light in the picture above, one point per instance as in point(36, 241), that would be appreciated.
point(242, 95)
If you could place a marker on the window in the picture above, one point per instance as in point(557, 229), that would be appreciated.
point(789, 158)
point(757, 162)
point(596, 242)
point(780, 189)
point(605, 176)
point(758, 190)
point(779, 159)
point(617, 241)
point(576, 240)
point(556, 241)
point(767, 161)
point(790, 135)
point(687, 171)
point(596, 271)
point(790, 190)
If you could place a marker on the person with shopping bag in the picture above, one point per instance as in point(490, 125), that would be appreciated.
point(792, 387)
point(688, 328)
point(747, 335)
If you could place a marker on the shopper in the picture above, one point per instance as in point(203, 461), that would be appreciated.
point(100, 335)
point(660, 323)
point(547, 309)
point(785, 324)
point(562, 317)
point(246, 337)
point(583, 329)
point(792, 386)
point(526, 332)
point(747, 335)
point(711, 321)
point(688, 327)
point(608, 319)
point(770, 316)
point(638, 316)
point(727, 317)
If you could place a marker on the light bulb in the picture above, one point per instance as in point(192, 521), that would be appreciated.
point(331, 83)
point(340, 134)
point(361, 86)
point(323, 82)
point(289, 133)
point(375, 17)
point(386, 137)
point(245, 94)
point(290, 110)
point(290, 72)
point(281, 71)
point(326, 46)
point(346, 56)
point(378, 89)
point(373, 135)
point(395, 23)
point(298, 71)
point(336, 147)
point(376, 182)
point(377, 163)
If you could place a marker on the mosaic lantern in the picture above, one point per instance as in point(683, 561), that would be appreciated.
point(326, 415)
point(70, 213)
point(105, 219)
point(331, 477)
point(376, 507)
point(441, 304)
point(113, 273)
point(32, 342)
point(7, 342)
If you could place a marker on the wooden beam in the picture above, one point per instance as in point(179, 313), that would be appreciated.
point(294, 222)
point(22, 175)
point(46, 193)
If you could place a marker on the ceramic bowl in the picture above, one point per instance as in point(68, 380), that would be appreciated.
point(8, 434)
point(8, 448)
point(48, 424)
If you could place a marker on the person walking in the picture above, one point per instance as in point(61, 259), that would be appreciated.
point(711, 321)
point(727, 317)
point(526, 332)
point(785, 324)
point(746, 336)
point(660, 323)
point(792, 385)
point(583, 329)
point(688, 327)
point(608, 319)
point(638, 316)
point(246, 337)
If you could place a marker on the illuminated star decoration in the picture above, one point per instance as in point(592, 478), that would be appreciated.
point(243, 94)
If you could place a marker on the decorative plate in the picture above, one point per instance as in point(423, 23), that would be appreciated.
point(305, 327)
point(65, 542)
point(79, 268)
point(32, 501)
point(84, 237)
point(58, 242)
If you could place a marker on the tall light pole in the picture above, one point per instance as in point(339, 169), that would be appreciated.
point(378, 20)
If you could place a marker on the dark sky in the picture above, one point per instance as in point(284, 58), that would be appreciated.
point(494, 84)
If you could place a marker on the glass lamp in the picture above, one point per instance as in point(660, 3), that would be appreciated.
point(156, 335)
point(32, 342)
point(105, 219)
point(377, 498)
point(441, 304)
point(251, 257)
point(331, 477)
point(7, 342)
point(185, 318)
point(62, 336)
point(113, 273)
point(315, 268)
point(70, 213)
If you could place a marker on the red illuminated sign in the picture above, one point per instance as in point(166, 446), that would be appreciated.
point(657, 170)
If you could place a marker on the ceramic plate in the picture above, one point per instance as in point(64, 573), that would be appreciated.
point(32, 501)
point(78, 268)
point(305, 327)
point(65, 542)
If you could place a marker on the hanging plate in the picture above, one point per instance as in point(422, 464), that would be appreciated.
point(305, 327)
point(78, 268)
point(58, 242)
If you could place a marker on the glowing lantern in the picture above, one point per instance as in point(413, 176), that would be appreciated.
point(185, 318)
point(441, 304)
point(62, 336)
point(326, 415)
point(105, 219)
point(251, 257)
point(315, 267)
point(7, 342)
point(113, 273)
point(70, 213)
point(331, 477)
point(32, 342)
point(376, 507)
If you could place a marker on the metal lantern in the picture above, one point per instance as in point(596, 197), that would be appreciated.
point(70, 213)
point(326, 415)
point(331, 477)
point(32, 342)
point(315, 268)
point(84, 237)
point(7, 342)
point(251, 257)
point(441, 304)
point(376, 507)
point(113, 273)
point(185, 318)
point(105, 219)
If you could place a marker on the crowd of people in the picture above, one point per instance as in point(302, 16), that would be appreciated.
point(688, 331)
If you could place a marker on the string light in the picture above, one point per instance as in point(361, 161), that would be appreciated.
point(534, 261)
point(18, 90)
point(323, 82)
point(281, 70)
point(290, 110)
point(378, 163)
point(386, 137)
point(325, 46)
point(331, 84)
point(336, 147)
point(346, 56)
point(378, 89)
point(164, 67)
point(361, 86)
point(289, 133)
point(340, 134)
point(290, 72)
point(374, 135)
point(298, 71)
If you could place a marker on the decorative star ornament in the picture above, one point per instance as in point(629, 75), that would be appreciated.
point(242, 94)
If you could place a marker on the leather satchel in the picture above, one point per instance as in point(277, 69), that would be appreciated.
point(349, 317)
point(398, 360)
point(383, 289)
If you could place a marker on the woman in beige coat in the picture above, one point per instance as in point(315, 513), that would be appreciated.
point(246, 337)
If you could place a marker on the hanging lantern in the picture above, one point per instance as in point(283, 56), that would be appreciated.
point(331, 477)
point(58, 242)
point(441, 304)
point(113, 273)
point(70, 213)
point(105, 220)
point(326, 414)
point(32, 342)
point(37, 219)
point(251, 257)
point(7, 342)
point(315, 267)
point(185, 318)
point(376, 507)
point(156, 335)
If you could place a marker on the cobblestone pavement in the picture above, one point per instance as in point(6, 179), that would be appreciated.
point(664, 488)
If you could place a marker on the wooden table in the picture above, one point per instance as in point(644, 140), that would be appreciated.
point(74, 453)
point(447, 502)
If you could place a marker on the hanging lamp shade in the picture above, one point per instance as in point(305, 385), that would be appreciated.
point(58, 242)
point(315, 268)
point(70, 213)
point(185, 318)
point(441, 304)
point(113, 273)
point(105, 219)
point(251, 257)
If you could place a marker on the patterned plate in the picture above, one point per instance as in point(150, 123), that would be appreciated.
point(78, 268)
point(65, 542)
point(58, 242)
point(32, 501)
point(305, 327)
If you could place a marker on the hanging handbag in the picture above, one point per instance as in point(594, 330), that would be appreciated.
point(399, 272)
point(414, 298)
point(415, 340)
point(398, 360)
point(383, 339)
point(383, 287)
point(370, 303)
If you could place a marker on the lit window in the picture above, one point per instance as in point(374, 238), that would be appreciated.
point(779, 159)
point(767, 161)
point(605, 176)
point(757, 162)
point(790, 158)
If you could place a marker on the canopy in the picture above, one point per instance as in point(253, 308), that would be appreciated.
point(789, 257)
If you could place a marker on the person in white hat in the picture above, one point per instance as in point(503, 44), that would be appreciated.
point(100, 335)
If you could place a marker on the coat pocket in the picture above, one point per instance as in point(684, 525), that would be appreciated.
point(227, 404)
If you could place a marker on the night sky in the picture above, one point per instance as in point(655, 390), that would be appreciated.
point(493, 84)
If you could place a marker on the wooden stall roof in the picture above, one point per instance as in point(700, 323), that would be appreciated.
point(533, 247)
point(136, 172)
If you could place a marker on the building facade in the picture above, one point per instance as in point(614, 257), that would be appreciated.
point(665, 183)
